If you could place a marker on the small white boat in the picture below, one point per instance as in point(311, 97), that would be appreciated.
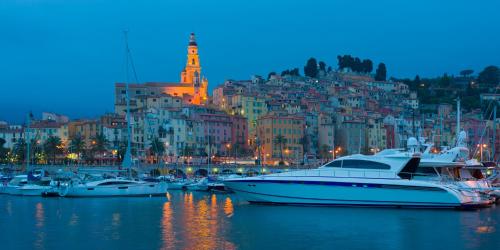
point(178, 184)
point(112, 187)
point(200, 185)
point(12, 186)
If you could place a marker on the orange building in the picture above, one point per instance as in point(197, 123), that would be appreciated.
point(291, 130)
point(192, 88)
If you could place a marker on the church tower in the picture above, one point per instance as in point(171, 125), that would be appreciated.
point(191, 74)
point(192, 71)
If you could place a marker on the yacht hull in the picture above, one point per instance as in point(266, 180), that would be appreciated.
point(32, 190)
point(25, 190)
point(146, 189)
point(349, 192)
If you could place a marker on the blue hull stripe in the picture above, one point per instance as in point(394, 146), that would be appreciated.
point(342, 184)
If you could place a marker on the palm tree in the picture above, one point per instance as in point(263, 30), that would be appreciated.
point(53, 146)
point(99, 144)
point(20, 150)
point(77, 145)
point(157, 147)
point(3, 151)
point(122, 149)
point(324, 151)
point(280, 140)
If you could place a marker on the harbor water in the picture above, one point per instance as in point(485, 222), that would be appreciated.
point(195, 220)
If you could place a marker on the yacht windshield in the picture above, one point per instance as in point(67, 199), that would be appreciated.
point(363, 164)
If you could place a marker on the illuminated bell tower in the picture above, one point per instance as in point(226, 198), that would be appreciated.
point(192, 71)
point(191, 74)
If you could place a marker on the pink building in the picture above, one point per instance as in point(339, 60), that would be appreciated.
point(218, 132)
point(239, 131)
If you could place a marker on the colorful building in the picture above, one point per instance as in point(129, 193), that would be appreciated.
point(290, 128)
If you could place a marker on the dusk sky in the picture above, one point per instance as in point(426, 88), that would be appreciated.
point(65, 56)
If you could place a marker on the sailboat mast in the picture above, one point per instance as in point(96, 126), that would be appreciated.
point(28, 143)
point(127, 161)
point(458, 116)
point(493, 149)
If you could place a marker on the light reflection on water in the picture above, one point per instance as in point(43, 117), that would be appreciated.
point(187, 220)
point(168, 235)
point(40, 222)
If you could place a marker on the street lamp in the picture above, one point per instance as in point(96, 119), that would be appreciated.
point(228, 146)
point(481, 147)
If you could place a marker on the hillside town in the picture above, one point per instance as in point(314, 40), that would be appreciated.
point(281, 119)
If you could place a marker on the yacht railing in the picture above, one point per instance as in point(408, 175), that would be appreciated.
point(345, 173)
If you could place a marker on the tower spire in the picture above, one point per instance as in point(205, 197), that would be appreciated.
point(192, 40)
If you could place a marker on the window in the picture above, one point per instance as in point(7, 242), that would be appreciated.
point(334, 164)
point(114, 183)
point(364, 164)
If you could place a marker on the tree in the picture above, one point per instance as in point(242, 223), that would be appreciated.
point(311, 68)
point(324, 151)
point(280, 141)
point(490, 75)
point(322, 66)
point(466, 72)
point(157, 148)
point(367, 66)
point(304, 143)
point(53, 146)
point(20, 150)
point(445, 81)
point(329, 69)
point(122, 149)
point(357, 66)
point(381, 72)
point(270, 75)
point(295, 72)
point(417, 80)
point(77, 145)
point(3, 151)
point(99, 144)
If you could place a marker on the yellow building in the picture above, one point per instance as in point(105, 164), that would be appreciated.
point(192, 88)
point(87, 130)
point(290, 128)
point(250, 107)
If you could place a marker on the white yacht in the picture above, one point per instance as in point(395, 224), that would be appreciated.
point(112, 187)
point(357, 180)
point(33, 184)
point(12, 186)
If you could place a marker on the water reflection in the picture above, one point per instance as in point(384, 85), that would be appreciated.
point(39, 215)
point(228, 207)
point(8, 207)
point(168, 236)
point(73, 220)
point(196, 220)
point(39, 242)
point(115, 224)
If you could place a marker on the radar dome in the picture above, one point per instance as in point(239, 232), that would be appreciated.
point(412, 142)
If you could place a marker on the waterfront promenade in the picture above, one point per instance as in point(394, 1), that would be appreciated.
point(165, 169)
